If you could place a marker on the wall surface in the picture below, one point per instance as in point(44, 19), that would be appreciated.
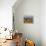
point(29, 8)
point(43, 22)
point(6, 16)
point(6, 13)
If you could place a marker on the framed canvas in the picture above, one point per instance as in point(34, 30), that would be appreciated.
point(28, 19)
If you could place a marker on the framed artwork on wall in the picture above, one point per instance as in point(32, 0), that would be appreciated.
point(28, 19)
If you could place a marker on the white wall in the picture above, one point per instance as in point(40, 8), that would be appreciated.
point(28, 8)
point(6, 13)
point(43, 22)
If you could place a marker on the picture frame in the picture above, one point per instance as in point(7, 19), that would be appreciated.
point(28, 19)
